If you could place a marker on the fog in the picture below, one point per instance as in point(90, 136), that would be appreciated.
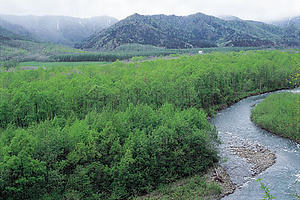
point(261, 10)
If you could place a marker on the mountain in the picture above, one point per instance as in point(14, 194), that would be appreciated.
point(295, 21)
point(6, 35)
point(291, 27)
point(16, 43)
point(229, 18)
point(57, 29)
point(19, 32)
point(191, 31)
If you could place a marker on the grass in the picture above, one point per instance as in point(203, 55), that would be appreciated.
point(196, 187)
point(280, 114)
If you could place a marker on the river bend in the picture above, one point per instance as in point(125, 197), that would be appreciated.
point(235, 128)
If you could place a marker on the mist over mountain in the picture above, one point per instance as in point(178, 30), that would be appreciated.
point(291, 27)
point(17, 44)
point(6, 34)
point(57, 29)
point(166, 31)
point(19, 32)
point(229, 18)
point(295, 21)
point(197, 30)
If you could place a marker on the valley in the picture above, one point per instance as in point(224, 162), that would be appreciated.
point(96, 108)
point(29, 38)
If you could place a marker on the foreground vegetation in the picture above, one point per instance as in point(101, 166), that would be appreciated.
point(280, 114)
point(195, 187)
point(122, 129)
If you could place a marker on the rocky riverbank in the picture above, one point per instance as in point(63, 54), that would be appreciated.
point(257, 156)
point(219, 175)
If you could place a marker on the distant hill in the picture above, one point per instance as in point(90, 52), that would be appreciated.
point(15, 31)
point(291, 27)
point(57, 29)
point(191, 31)
point(6, 35)
point(22, 46)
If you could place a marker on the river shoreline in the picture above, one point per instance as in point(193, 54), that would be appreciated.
point(277, 134)
point(254, 157)
point(264, 110)
point(249, 152)
point(259, 157)
point(224, 106)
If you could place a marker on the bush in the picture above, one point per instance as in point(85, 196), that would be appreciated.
point(108, 155)
point(9, 64)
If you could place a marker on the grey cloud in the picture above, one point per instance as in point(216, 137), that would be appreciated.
point(245, 9)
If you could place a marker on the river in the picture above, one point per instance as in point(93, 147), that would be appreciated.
point(236, 129)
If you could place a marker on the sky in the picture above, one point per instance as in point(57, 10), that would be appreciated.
point(260, 10)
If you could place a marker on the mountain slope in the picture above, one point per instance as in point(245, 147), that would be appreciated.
point(18, 31)
point(58, 29)
point(22, 46)
point(295, 21)
point(6, 35)
point(192, 31)
point(139, 29)
point(291, 27)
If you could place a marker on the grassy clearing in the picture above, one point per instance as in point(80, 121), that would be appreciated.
point(195, 187)
point(280, 114)
point(27, 51)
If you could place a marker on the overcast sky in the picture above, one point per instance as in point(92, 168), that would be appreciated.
point(262, 10)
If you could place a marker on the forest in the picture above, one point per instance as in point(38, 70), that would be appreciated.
point(123, 129)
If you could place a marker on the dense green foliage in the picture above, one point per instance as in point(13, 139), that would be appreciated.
point(122, 129)
point(280, 114)
point(106, 155)
point(8, 64)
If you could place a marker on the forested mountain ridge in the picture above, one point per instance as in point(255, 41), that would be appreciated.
point(57, 29)
point(198, 30)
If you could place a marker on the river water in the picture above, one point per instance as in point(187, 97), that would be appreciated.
point(236, 129)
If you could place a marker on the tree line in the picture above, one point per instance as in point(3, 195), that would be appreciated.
point(126, 52)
